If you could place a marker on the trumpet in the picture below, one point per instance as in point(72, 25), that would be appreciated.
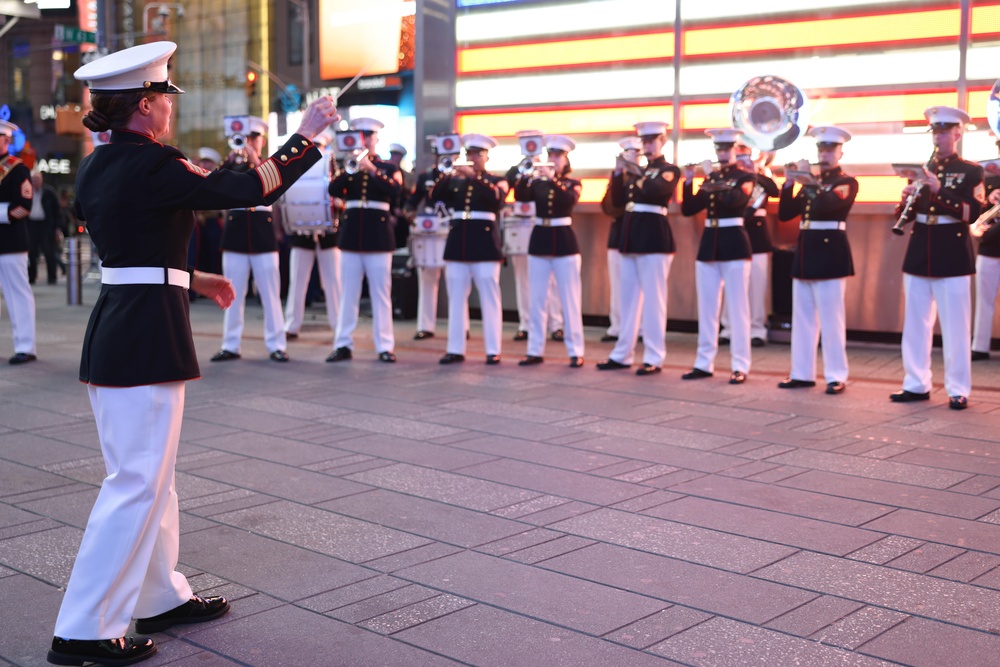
point(447, 163)
point(238, 145)
point(637, 168)
point(353, 164)
point(985, 221)
point(528, 167)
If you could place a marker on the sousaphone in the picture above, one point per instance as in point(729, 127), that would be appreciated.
point(771, 111)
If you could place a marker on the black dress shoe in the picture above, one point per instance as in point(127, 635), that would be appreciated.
point(195, 610)
point(451, 358)
point(122, 651)
point(558, 334)
point(291, 336)
point(792, 383)
point(835, 387)
point(608, 338)
point(340, 354)
point(21, 358)
point(903, 396)
point(610, 365)
point(387, 357)
point(696, 374)
point(648, 369)
point(958, 402)
point(737, 377)
point(225, 355)
point(423, 335)
point(521, 335)
point(723, 341)
point(279, 355)
point(980, 356)
point(575, 362)
point(492, 359)
point(530, 360)
point(757, 342)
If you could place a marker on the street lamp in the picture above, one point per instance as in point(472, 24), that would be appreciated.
point(163, 10)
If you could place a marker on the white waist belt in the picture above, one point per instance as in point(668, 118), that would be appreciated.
point(364, 203)
point(555, 222)
point(723, 222)
point(823, 224)
point(145, 275)
point(936, 219)
point(473, 215)
point(645, 208)
point(252, 208)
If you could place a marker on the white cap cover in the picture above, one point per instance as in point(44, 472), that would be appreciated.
point(366, 124)
point(559, 142)
point(142, 67)
point(946, 116)
point(478, 141)
point(725, 135)
point(7, 128)
point(829, 134)
point(650, 128)
point(206, 153)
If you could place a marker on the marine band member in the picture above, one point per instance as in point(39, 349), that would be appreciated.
point(553, 250)
point(723, 261)
point(820, 265)
point(647, 248)
point(939, 263)
point(367, 241)
point(473, 252)
point(631, 147)
point(16, 195)
point(987, 272)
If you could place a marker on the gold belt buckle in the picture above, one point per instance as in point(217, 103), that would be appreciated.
point(932, 218)
point(630, 206)
point(546, 222)
point(713, 222)
point(805, 223)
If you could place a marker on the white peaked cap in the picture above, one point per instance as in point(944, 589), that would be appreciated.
point(397, 148)
point(206, 153)
point(257, 126)
point(829, 134)
point(650, 128)
point(630, 144)
point(478, 141)
point(724, 135)
point(7, 128)
point(946, 116)
point(559, 142)
point(142, 67)
point(366, 124)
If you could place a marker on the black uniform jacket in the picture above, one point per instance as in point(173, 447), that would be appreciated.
point(471, 240)
point(989, 244)
point(821, 253)
point(137, 197)
point(941, 251)
point(616, 213)
point(16, 192)
point(368, 229)
point(420, 197)
point(644, 233)
point(318, 241)
point(755, 220)
point(554, 198)
point(247, 231)
point(721, 244)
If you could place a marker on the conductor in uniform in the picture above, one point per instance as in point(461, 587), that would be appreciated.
point(15, 205)
point(137, 196)
point(821, 264)
point(940, 262)
point(250, 245)
point(647, 250)
point(723, 261)
point(367, 241)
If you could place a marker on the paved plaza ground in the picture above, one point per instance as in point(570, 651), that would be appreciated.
point(413, 514)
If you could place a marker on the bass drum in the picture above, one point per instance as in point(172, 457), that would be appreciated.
point(517, 235)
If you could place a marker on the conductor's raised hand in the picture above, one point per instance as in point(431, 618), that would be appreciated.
point(319, 115)
point(215, 287)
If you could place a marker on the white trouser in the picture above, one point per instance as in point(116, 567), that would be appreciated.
point(566, 272)
point(377, 268)
point(953, 306)
point(987, 284)
point(522, 292)
point(427, 297)
point(615, 297)
point(237, 267)
point(20, 300)
point(300, 263)
point(459, 277)
point(818, 314)
point(643, 287)
point(712, 279)
point(126, 566)
point(760, 265)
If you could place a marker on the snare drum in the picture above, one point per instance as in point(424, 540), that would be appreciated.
point(517, 235)
point(426, 223)
point(428, 250)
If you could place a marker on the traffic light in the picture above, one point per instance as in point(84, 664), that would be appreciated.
point(251, 82)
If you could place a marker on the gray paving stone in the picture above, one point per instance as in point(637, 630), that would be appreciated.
point(528, 538)
point(860, 627)
point(512, 410)
point(549, 596)
point(415, 614)
point(721, 641)
point(352, 594)
point(660, 452)
point(942, 529)
point(887, 549)
point(924, 643)
point(532, 451)
point(529, 507)
point(21, 417)
point(967, 566)
point(814, 615)
point(411, 557)
point(280, 480)
point(668, 538)
point(328, 533)
point(71, 508)
point(32, 449)
point(693, 439)
point(27, 631)
point(655, 628)
point(704, 588)
point(48, 554)
point(926, 557)
point(268, 447)
point(551, 549)
point(388, 425)
point(413, 451)
point(498, 425)
point(18, 479)
point(13, 516)
point(245, 419)
point(445, 487)
point(889, 471)
point(489, 637)
point(644, 502)
point(381, 604)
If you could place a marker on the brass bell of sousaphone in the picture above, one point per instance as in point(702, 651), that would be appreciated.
point(771, 111)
